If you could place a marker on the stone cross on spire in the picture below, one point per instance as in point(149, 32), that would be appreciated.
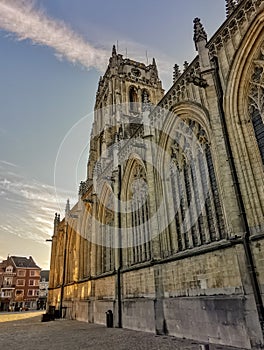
point(199, 32)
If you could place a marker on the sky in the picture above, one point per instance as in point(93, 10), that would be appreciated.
point(52, 55)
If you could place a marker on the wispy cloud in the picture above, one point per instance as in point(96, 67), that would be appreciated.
point(27, 206)
point(8, 163)
point(26, 21)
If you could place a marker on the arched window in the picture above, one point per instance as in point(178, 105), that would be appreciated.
point(256, 106)
point(133, 99)
point(198, 212)
point(105, 244)
point(137, 219)
point(145, 100)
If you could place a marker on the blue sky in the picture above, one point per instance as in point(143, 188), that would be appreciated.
point(52, 54)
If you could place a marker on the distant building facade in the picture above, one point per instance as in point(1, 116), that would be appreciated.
point(43, 289)
point(19, 283)
point(168, 231)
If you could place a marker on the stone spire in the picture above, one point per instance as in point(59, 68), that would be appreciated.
point(114, 51)
point(185, 65)
point(199, 32)
point(67, 208)
point(155, 69)
point(56, 223)
point(230, 7)
point(176, 72)
point(200, 40)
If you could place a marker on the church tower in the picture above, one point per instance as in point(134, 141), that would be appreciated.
point(126, 87)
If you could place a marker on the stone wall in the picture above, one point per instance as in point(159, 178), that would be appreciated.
point(139, 283)
point(139, 314)
point(212, 273)
point(210, 319)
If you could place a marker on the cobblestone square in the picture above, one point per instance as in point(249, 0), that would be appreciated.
point(30, 333)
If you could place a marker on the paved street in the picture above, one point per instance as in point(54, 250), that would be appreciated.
point(14, 316)
point(30, 333)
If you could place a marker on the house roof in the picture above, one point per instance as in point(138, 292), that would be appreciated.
point(21, 261)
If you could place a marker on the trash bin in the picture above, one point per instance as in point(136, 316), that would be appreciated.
point(109, 319)
point(52, 312)
point(45, 318)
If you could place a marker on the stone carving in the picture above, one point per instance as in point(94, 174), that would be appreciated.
point(199, 32)
point(230, 7)
point(176, 72)
point(185, 65)
point(256, 87)
point(139, 185)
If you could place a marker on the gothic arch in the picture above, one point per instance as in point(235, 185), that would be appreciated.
point(133, 98)
point(72, 251)
point(59, 255)
point(134, 194)
point(178, 114)
point(105, 253)
point(145, 96)
point(187, 145)
point(242, 134)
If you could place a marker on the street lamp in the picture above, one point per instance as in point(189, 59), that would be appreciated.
point(64, 270)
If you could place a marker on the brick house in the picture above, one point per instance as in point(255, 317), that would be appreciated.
point(19, 283)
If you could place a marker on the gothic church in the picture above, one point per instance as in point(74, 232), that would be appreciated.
point(168, 231)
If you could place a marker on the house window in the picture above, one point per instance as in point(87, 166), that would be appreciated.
point(34, 282)
point(33, 292)
point(9, 269)
point(8, 293)
point(8, 281)
point(20, 282)
point(21, 273)
point(19, 292)
point(33, 273)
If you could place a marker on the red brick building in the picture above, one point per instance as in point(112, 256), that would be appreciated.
point(19, 283)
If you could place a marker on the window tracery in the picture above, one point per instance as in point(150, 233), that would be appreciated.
point(198, 213)
point(256, 102)
point(139, 216)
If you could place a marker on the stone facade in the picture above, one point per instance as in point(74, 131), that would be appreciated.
point(168, 229)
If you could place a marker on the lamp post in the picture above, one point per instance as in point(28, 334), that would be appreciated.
point(46, 302)
point(64, 269)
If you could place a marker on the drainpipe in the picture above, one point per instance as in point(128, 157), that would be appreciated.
point(119, 294)
point(64, 269)
point(246, 236)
